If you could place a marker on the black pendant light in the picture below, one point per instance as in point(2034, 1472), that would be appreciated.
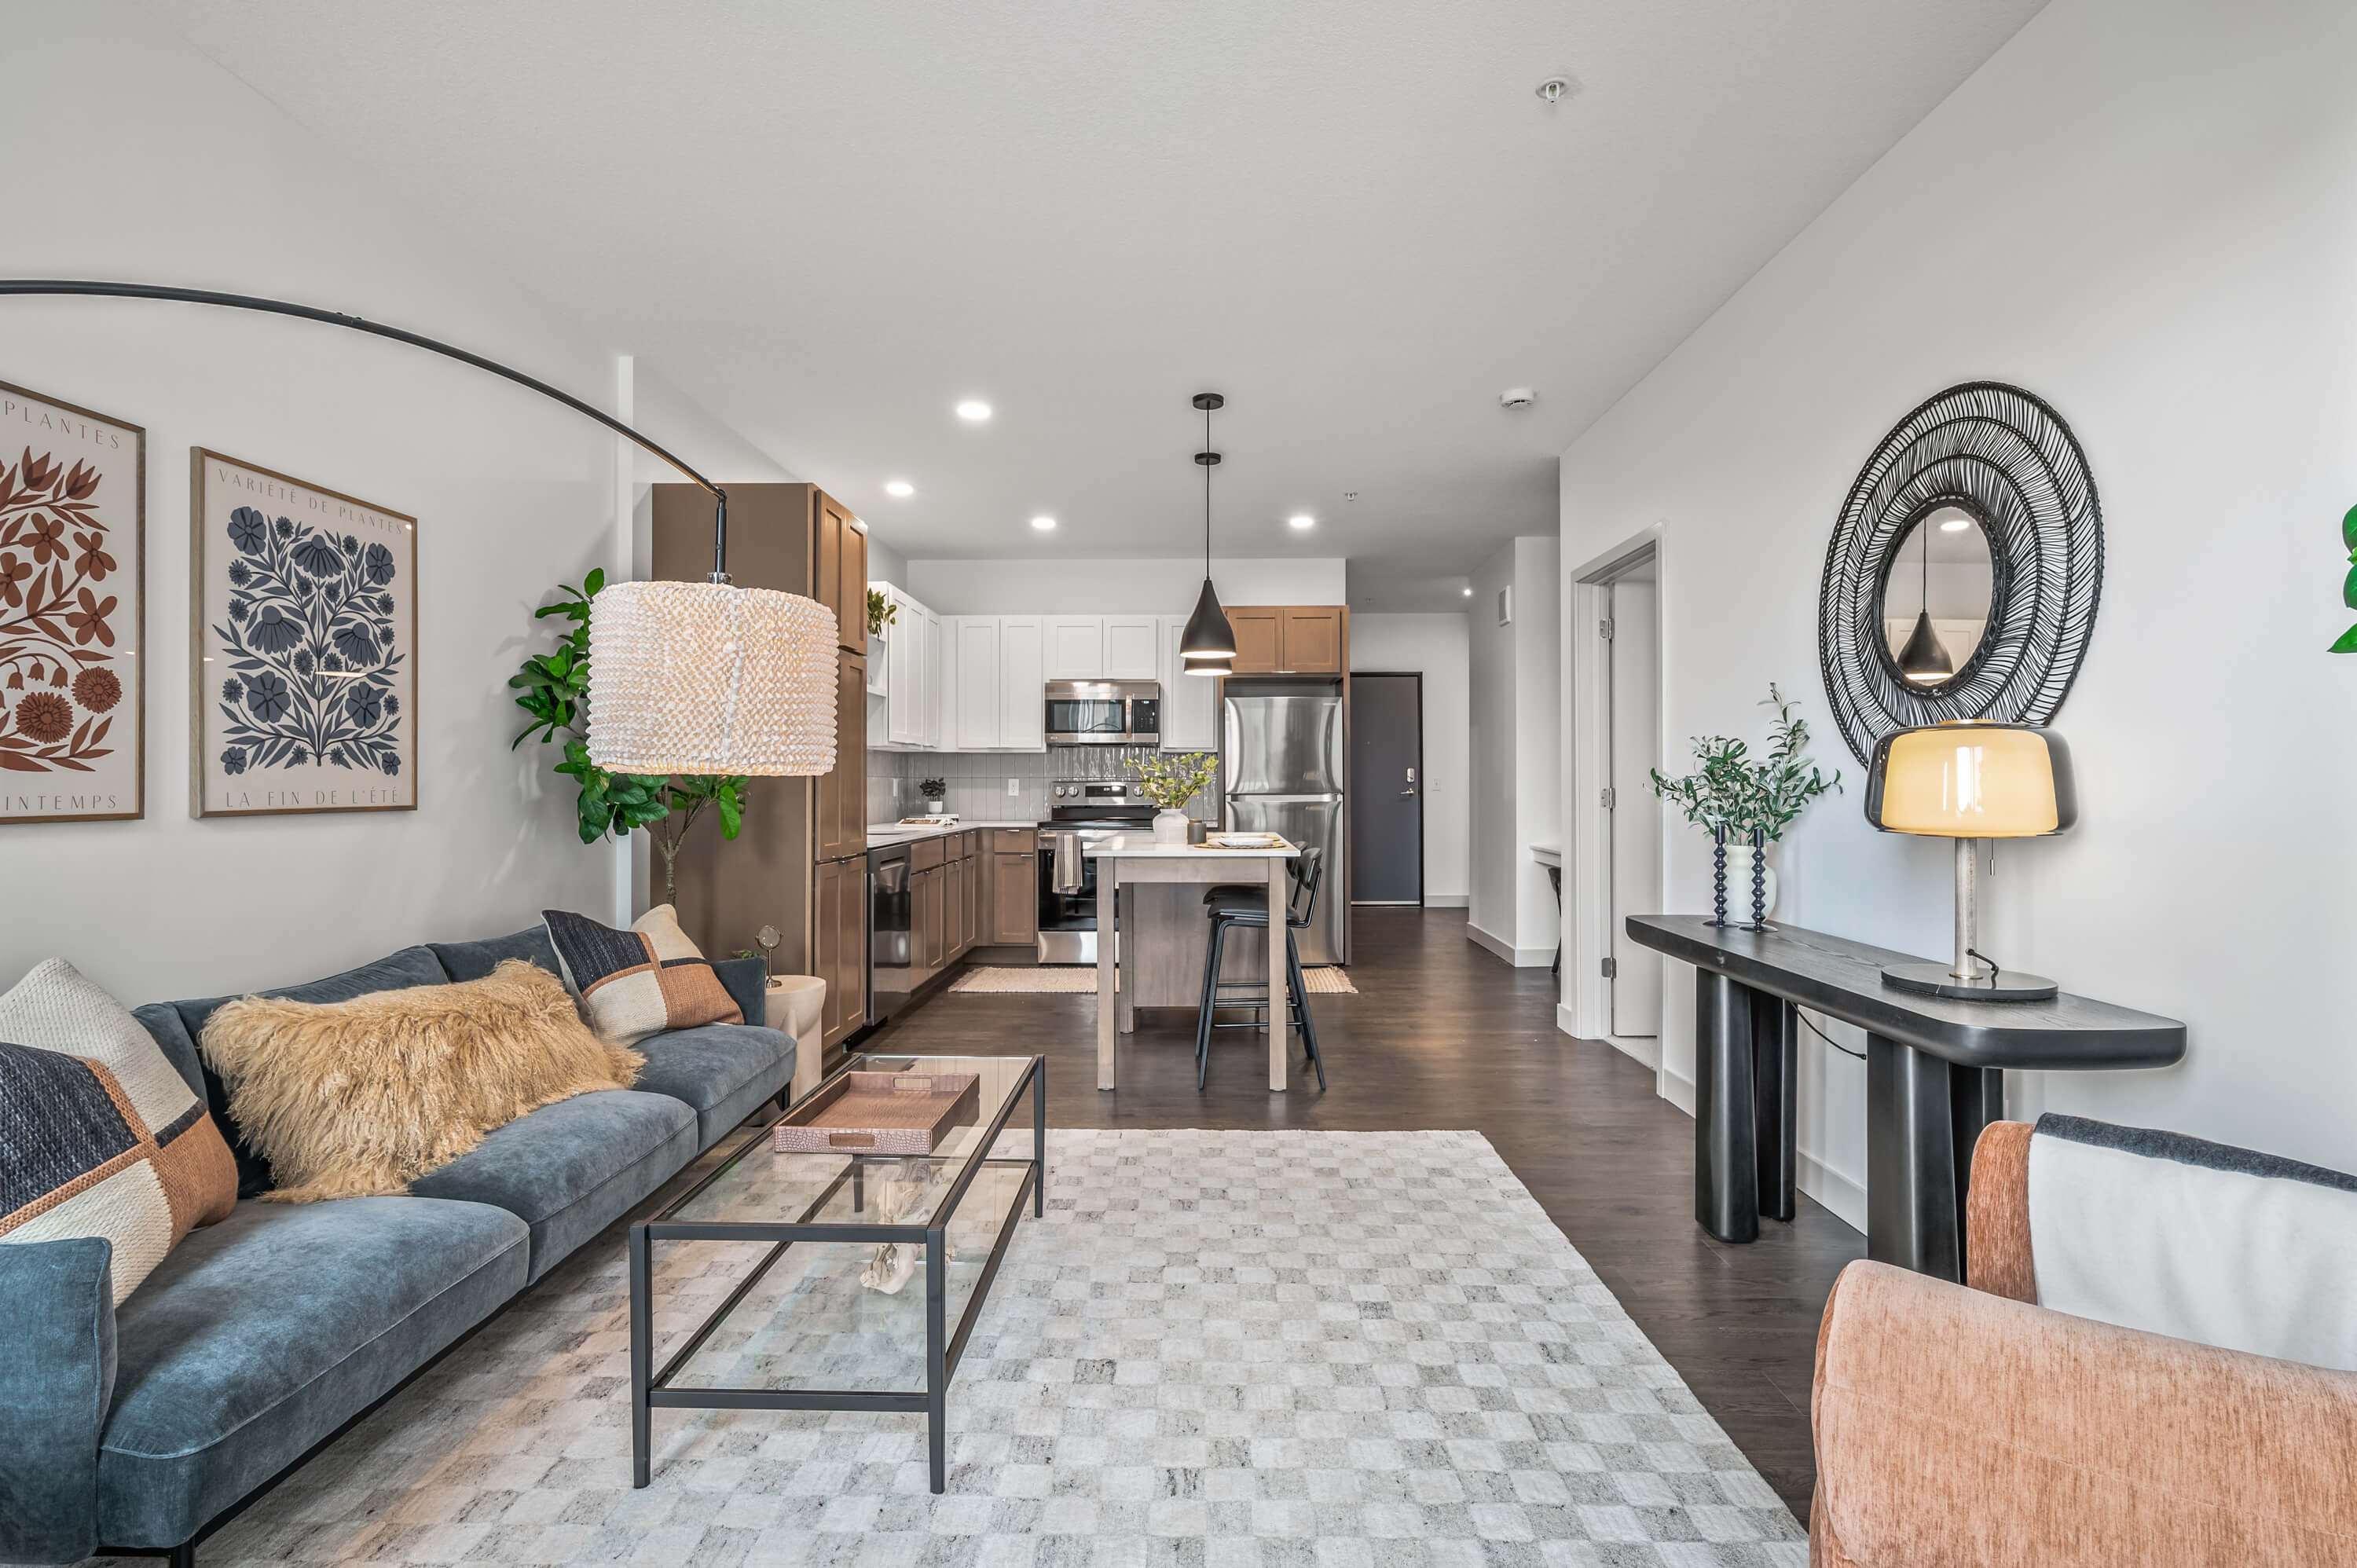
point(1923, 661)
point(1208, 646)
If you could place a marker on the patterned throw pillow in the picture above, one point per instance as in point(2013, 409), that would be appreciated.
point(640, 982)
point(99, 1135)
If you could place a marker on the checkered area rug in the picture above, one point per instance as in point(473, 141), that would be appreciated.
point(1220, 1350)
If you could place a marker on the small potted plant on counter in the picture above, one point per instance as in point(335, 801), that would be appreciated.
point(936, 792)
point(1170, 782)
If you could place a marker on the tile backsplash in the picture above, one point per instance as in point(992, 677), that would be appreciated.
point(978, 781)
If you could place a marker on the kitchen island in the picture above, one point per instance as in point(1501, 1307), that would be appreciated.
point(1159, 936)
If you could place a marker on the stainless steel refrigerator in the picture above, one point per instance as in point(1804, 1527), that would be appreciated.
point(1282, 764)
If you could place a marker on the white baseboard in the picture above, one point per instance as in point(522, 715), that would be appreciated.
point(1677, 1089)
point(1564, 1022)
point(1521, 958)
point(1446, 900)
point(1845, 1198)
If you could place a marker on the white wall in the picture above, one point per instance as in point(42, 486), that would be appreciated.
point(1433, 646)
point(2143, 211)
point(1514, 742)
point(1051, 586)
point(178, 173)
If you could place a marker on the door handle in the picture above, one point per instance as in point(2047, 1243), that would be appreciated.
point(1408, 794)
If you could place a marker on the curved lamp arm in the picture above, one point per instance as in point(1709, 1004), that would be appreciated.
point(357, 324)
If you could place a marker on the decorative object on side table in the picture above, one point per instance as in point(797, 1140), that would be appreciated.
point(1714, 798)
point(1968, 781)
point(554, 689)
point(306, 639)
point(1783, 785)
point(73, 525)
point(1171, 781)
point(936, 794)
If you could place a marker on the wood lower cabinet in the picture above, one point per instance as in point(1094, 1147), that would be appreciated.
point(1291, 639)
point(1014, 917)
point(839, 932)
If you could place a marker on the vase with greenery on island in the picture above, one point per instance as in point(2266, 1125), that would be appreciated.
point(1731, 794)
point(554, 689)
point(1171, 781)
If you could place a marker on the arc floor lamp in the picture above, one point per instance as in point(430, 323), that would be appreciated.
point(692, 678)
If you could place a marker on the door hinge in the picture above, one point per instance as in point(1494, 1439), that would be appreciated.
point(1604, 629)
point(1610, 799)
point(1611, 969)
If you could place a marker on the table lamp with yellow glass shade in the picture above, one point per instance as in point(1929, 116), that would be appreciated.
point(1968, 781)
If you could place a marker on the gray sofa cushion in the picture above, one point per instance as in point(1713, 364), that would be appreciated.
point(260, 1336)
point(570, 1169)
point(473, 960)
point(721, 1071)
point(161, 1020)
point(56, 1376)
point(394, 971)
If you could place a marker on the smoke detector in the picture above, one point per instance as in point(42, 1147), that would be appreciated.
point(1555, 90)
point(1517, 397)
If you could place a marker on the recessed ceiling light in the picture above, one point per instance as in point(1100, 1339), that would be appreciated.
point(1043, 522)
point(898, 488)
point(1301, 519)
point(974, 410)
point(1468, 592)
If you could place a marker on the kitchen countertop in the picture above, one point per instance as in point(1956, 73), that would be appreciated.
point(1141, 846)
point(883, 836)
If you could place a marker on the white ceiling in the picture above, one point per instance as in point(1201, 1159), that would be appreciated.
point(829, 222)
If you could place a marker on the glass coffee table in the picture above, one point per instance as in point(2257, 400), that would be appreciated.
point(826, 1317)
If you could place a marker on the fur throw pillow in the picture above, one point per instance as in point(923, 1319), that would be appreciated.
point(358, 1099)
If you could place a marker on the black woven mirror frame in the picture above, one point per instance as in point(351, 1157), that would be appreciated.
point(2002, 455)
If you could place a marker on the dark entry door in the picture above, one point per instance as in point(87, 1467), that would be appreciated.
point(1386, 788)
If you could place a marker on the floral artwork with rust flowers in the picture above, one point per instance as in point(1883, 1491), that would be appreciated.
point(62, 617)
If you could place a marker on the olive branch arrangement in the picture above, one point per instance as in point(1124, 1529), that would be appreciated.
point(1171, 781)
point(1729, 793)
point(2346, 642)
point(553, 688)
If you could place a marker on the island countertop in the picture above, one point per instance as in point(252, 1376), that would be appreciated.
point(1142, 846)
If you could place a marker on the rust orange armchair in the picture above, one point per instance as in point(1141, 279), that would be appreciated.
point(1967, 1427)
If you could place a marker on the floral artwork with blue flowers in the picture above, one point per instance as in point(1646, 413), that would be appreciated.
point(310, 648)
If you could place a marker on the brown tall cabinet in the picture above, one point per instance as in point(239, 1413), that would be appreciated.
point(801, 863)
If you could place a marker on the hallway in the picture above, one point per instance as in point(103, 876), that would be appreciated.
point(1444, 1035)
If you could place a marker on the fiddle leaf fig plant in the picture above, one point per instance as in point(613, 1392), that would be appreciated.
point(553, 689)
point(2347, 642)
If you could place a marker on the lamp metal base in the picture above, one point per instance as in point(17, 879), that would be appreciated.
point(1938, 980)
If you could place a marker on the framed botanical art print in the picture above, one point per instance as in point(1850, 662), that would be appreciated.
point(305, 614)
point(72, 612)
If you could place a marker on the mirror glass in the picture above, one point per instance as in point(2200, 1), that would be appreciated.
point(1935, 598)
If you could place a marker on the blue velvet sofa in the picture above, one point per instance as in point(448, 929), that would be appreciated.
point(259, 1338)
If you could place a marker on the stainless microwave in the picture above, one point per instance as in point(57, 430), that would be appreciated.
point(1104, 712)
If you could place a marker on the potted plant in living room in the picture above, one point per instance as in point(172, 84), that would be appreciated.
point(1170, 782)
point(553, 688)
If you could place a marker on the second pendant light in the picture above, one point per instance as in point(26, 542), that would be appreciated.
point(1208, 646)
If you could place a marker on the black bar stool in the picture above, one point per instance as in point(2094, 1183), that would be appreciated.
point(1239, 908)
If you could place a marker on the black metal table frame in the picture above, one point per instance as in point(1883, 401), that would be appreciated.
point(650, 1390)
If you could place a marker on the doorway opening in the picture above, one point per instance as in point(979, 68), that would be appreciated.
point(1612, 987)
point(1387, 789)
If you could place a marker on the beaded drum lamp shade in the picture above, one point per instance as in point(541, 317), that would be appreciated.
point(1968, 781)
point(704, 678)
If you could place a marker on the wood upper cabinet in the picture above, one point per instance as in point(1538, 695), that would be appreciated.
point(1014, 897)
point(839, 569)
point(840, 811)
point(1291, 639)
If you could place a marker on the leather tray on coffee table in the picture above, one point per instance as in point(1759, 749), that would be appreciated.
point(882, 1113)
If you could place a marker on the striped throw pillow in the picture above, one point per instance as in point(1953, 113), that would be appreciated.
point(99, 1135)
point(640, 982)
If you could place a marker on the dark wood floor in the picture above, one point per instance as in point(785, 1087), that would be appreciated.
point(1444, 1035)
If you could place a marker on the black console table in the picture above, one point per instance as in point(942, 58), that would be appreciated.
point(1934, 1075)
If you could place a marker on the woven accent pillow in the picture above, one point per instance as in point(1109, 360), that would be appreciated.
point(99, 1134)
point(640, 982)
point(358, 1099)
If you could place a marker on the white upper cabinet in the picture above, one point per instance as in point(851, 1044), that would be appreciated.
point(1022, 673)
point(1076, 649)
point(1189, 702)
point(972, 699)
point(1130, 649)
